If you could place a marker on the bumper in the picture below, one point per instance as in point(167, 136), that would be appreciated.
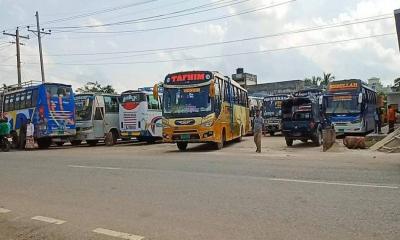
point(298, 135)
point(190, 136)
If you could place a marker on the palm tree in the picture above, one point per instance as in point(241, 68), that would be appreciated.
point(316, 80)
point(327, 78)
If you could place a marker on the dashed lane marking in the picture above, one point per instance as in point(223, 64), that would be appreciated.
point(115, 234)
point(3, 210)
point(105, 168)
point(49, 220)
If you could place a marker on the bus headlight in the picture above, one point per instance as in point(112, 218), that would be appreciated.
point(357, 121)
point(207, 123)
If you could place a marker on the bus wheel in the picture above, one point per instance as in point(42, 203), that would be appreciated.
point(182, 146)
point(76, 142)
point(219, 145)
point(15, 140)
point(289, 142)
point(44, 143)
point(111, 139)
point(240, 138)
point(272, 133)
point(92, 143)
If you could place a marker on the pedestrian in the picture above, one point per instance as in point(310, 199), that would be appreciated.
point(258, 126)
point(22, 134)
point(377, 117)
point(391, 118)
point(30, 132)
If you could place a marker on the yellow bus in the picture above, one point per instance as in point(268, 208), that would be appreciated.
point(203, 107)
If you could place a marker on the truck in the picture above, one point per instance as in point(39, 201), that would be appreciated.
point(303, 118)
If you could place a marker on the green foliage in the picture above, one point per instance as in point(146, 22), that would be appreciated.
point(316, 81)
point(95, 87)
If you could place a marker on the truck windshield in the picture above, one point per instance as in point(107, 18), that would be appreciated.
point(187, 102)
point(83, 107)
point(342, 104)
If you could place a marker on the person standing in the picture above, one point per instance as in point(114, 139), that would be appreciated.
point(391, 118)
point(258, 126)
point(377, 117)
point(22, 134)
point(30, 131)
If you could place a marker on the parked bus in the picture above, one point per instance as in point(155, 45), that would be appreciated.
point(350, 106)
point(272, 113)
point(49, 106)
point(97, 118)
point(203, 106)
point(140, 115)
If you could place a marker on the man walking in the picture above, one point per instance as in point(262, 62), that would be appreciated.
point(391, 118)
point(258, 126)
point(377, 117)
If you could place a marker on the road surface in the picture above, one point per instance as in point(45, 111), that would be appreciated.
point(139, 191)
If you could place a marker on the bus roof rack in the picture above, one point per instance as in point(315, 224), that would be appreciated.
point(15, 87)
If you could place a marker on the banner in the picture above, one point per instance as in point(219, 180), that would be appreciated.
point(397, 17)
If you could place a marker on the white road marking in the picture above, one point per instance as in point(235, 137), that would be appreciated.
point(106, 168)
point(115, 234)
point(49, 220)
point(332, 183)
point(3, 210)
point(370, 185)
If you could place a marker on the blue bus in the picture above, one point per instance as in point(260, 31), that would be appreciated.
point(350, 106)
point(272, 113)
point(49, 106)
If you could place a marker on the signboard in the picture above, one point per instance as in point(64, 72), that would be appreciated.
point(188, 78)
point(343, 86)
point(397, 18)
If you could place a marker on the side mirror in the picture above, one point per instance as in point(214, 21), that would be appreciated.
point(360, 98)
point(212, 89)
point(155, 91)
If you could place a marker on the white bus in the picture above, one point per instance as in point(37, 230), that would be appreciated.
point(97, 118)
point(140, 115)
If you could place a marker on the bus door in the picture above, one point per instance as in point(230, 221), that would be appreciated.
point(98, 119)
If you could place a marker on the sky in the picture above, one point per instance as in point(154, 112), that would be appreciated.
point(137, 51)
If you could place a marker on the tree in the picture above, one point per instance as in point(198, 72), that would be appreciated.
point(307, 82)
point(397, 84)
point(95, 87)
point(316, 80)
point(326, 79)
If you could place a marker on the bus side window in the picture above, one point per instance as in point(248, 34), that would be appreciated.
point(7, 103)
point(28, 99)
point(12, 97)
point(22, 103)
point(17, 101)
point(111, 104)
point(152, 102)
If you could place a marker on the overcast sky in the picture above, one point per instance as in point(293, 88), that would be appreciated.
point(364, 58)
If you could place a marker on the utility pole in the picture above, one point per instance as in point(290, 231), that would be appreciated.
point(17, 43)
point(397, 19)
point(38, 33)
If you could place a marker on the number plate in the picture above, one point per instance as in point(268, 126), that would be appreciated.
point(185, 137)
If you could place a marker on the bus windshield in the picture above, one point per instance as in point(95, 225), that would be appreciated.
point(134, 97)
point(342, 104)
point(272, 108)
point(83, 107)
point(59, 91)
point(187, 101)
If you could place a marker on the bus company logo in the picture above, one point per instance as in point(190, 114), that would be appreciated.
point(185, 122)
point(187, 77)
point(343, 86)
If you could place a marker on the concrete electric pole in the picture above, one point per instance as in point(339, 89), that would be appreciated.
point(17, 43)
point(38, 33)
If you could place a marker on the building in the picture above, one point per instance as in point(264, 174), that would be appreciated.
point(284, 87)
point(244, 79)
point(376, 84)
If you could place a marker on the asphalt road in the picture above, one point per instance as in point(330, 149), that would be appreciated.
point(139, 191)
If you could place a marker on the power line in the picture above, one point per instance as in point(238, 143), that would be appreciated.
point(226, 55)
point(107, 10)
point(163, 16)
point(302, 30)
point(180, 25)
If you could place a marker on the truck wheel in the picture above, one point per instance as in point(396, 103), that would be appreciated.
point(318, 138)
point(59, 144)
point(289, 142)
point(92, 143)
point(6, 145)
point(111, 139)
point(182, 146)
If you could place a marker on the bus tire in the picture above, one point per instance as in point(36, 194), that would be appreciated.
point(289, 142)
point(272, 133)
point(219, 145)
point(15, 140)
point(5, 145)
point(44, 143)
point(111, 138)
point(182, 146)
point(92, 143)
point(240, 138)
point(76, 142)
